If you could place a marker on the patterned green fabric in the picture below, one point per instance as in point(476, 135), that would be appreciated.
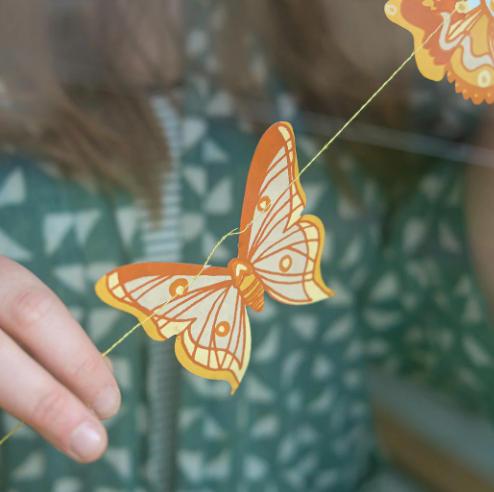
point(301, 419)
point(69, 235)
point(425, 313)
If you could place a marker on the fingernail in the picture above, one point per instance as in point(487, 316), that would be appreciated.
point(87, 442)
point(107, 403)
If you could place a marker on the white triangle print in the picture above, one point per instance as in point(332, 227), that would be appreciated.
point(476, 352)
point(266, 427)
point(13, 189)
point(414, 233)
point(353, 253)
point(56, 227)
point(220, 105)
point(314, 193)
point(322, 367)
point(219, 468)
point(340, 329)
point(347, 209)
point(305, 325)
point(212, 430)
point(212, 152)
point(127, 222)
point(257, 391)
point(13, 250)
point(201, 85)
point(344, 296)
point(123, 371)
point(101, 322)
point(193, 129)
point(68, 484)
point(77, 312)
point(188, 417)
point(197, 42)
point(191, 464)
point(323, 402)
point(85, 223)
point(308, 146)
point(196, 178)
point(290, 367)
point(192, 226)
point(24, 432)
point(448, 240)
point(432, 186)
point(328, 247)
point(222, 254)
point(33, 468)
point(220, 199)
point(386, 288)
point(255, 468)
point(287, 106)
point(72, 276)
point(119, 458)
point(269, 348)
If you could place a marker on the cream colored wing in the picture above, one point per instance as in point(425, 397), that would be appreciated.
point(283, 247)
point(208, 317)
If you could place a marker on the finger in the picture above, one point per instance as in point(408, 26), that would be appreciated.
point(109, 363)
point(34, 396)
point(34, 316)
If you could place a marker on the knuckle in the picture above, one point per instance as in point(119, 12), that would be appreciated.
point(86, 368)
point(31, 307)
point(49, 408)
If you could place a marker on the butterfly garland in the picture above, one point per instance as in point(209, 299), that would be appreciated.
point(205, 309)
point(463, 48)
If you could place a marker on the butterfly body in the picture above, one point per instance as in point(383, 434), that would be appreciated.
point(205, 308)
point(249, 286)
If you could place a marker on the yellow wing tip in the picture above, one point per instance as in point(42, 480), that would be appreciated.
point(317, 222)
point(203, 372)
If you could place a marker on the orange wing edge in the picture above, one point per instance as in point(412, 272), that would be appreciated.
point(203, 372)
point(144, 319)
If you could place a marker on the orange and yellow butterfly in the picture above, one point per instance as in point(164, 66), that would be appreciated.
point(279, 253)
point(463, 48)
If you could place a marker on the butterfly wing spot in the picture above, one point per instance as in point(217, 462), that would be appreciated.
point(263, 203)
point(286, 263)
point(179, 287)
point(484, 79)
point(391, 9)
point(222, 329)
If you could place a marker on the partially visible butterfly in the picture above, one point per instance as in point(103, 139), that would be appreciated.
point(279, 254)
point(463, 48)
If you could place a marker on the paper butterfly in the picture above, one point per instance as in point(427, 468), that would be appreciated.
point(279, 254)
point(463, 48)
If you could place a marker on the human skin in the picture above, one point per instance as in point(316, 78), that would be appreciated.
point(53, 378)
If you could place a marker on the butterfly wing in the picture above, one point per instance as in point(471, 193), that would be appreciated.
point(208, 317)
point(458, 42)
point(283, 247)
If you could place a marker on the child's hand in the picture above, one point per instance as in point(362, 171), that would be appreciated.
point(52, 377)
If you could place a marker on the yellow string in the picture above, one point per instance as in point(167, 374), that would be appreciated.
point(13, 431)
point(236, 231)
